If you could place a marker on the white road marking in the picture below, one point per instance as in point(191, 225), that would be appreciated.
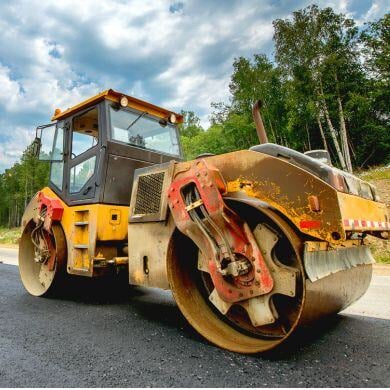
point(9, 255)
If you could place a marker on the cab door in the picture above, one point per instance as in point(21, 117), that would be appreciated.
point(49, 145)
point(82, 161)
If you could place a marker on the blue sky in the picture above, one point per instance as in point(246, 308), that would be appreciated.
point(177, 54)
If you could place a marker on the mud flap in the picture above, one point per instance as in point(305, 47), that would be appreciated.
point(321, 263)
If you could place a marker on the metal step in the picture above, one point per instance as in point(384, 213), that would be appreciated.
point(80, 246)
point(81, 223)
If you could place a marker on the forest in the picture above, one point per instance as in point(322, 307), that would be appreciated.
point(326, 86)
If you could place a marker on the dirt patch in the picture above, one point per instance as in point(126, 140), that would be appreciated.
point(381, 248)
point(381, 269)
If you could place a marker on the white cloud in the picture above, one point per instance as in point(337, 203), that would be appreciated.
point(10, 90)
point(376, 11)
point(12, 148)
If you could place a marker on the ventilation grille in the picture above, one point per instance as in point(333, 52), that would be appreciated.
point(149, 193)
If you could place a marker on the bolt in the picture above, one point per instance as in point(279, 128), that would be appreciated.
point(257, 283)
point(258, 270)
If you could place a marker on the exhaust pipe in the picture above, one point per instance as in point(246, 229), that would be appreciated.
point(261, 133)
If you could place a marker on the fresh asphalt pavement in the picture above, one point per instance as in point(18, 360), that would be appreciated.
point(137, 337)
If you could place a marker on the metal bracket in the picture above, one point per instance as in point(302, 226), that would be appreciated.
point(226, 242)
point(54, 210)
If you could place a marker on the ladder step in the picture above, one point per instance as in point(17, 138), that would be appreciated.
point(80, 246)
point(81, 223)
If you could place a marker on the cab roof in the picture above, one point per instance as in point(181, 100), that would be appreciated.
point(115, 96)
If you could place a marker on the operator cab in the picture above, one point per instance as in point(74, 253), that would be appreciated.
point(95, 147)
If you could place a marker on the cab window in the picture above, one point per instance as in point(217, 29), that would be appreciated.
point(57, 166)
point(144, 131)
point(85, 134)
point(81, 173)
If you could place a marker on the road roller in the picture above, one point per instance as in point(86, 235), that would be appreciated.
point(252, 243)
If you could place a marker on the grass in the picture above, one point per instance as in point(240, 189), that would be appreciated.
point(380, 173)
point(9, 236)
point(380, 249)
point(379, 176)
point(382, 258)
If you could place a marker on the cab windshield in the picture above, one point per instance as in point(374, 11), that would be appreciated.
point(141, 130)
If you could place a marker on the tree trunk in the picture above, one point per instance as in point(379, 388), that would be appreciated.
point(25, 193)
point(343, 130)
point(332, 130)
point(286, 142)
point(322, 133)
point(343, 137)
point(308, 136)
point(272, 130)
point(334, 137)
point(269, 121)
point(351, 148)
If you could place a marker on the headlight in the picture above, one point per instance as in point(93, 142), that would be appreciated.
point(172, 118)
point(124, 101)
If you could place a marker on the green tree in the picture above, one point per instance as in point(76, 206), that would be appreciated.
point(259, 79)
point(18, 185)
point(371, 106)
point(191, 124)
point(315, 49)
point(376, 40)
point(210, 141)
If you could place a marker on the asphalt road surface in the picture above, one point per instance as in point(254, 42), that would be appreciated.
point(96, 337)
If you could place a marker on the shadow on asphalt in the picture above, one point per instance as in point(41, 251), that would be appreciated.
point(150, 304)
point(158, 306)
point(94, 291)
point(306, 336)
